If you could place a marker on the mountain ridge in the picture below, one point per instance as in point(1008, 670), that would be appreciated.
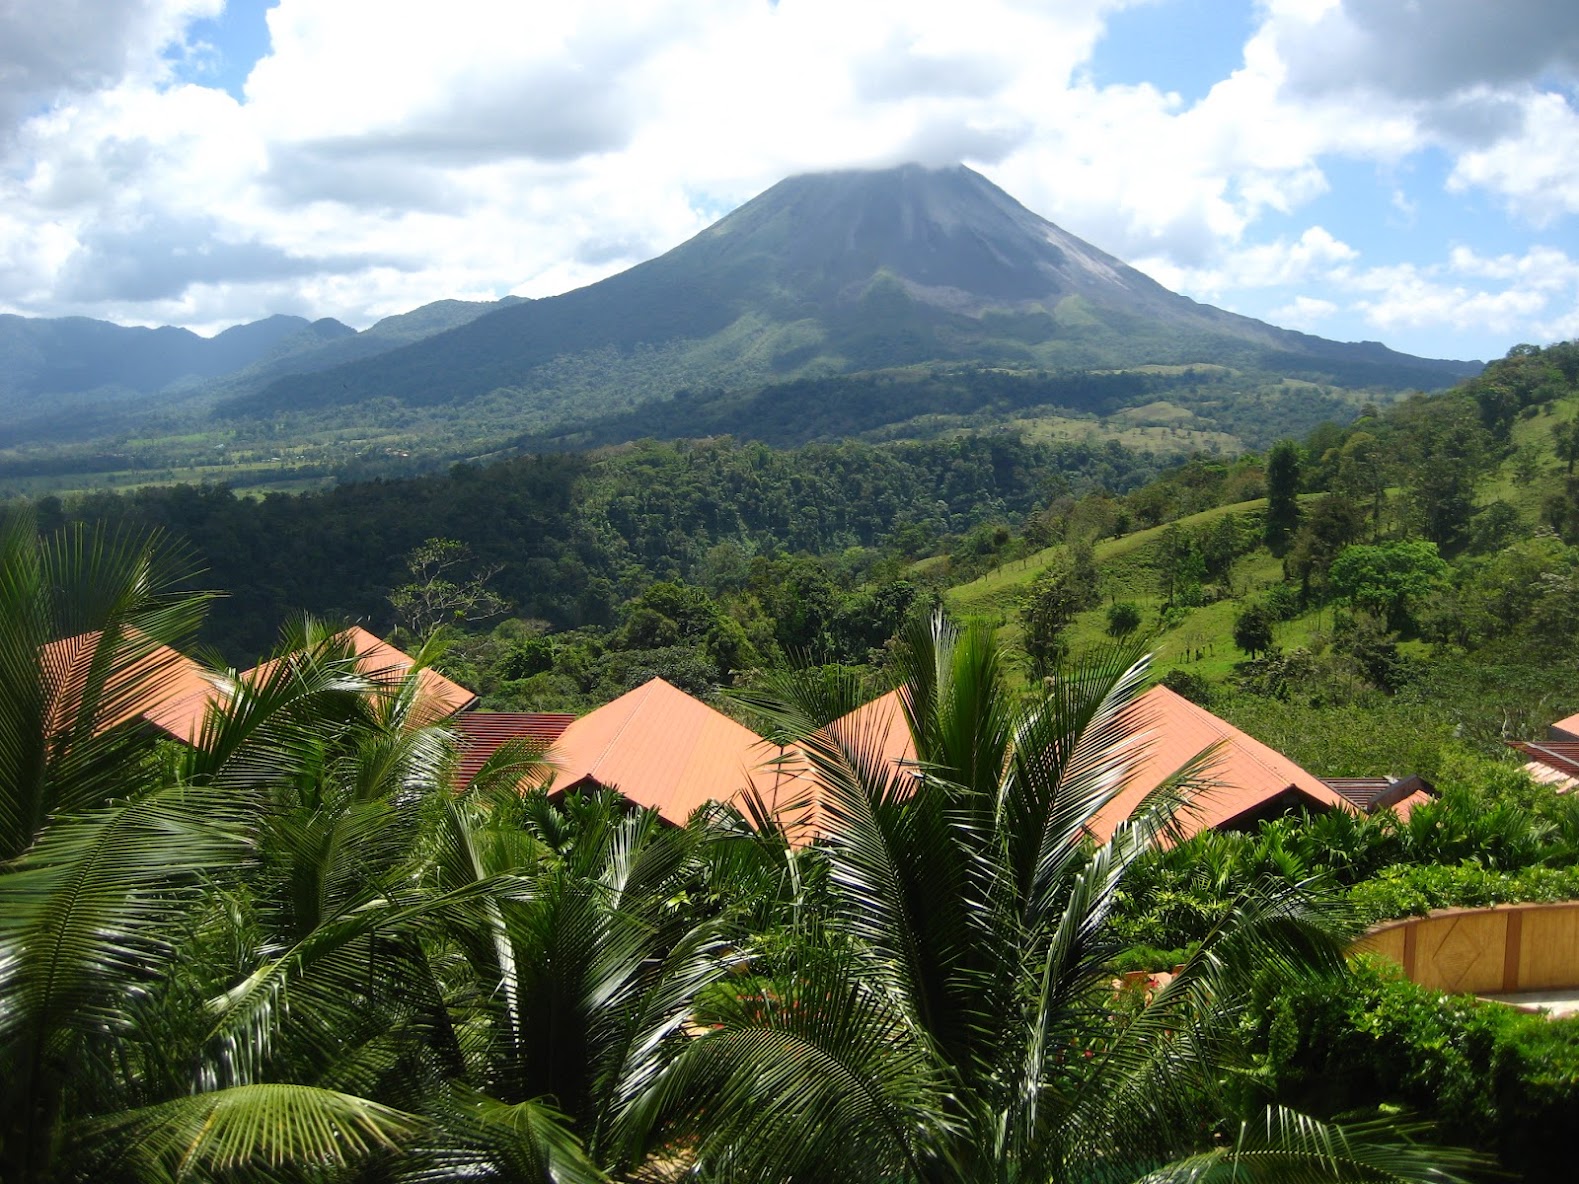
point(835, 272)
point(820, 299)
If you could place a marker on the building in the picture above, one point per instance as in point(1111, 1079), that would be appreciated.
point(385, 666)
point(661, 748)
point(1243, 782)
point(156, 684)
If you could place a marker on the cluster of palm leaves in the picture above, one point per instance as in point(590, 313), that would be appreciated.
point(296, 950)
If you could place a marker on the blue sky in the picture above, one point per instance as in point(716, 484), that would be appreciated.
point(1361, 169)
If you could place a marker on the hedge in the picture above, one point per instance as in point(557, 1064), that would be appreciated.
point(1491, 1077)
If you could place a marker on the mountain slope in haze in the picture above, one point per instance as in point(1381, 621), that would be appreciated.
point(78, 378)
point(390, 333)
point(831, 274)
point(40, 356)
point(75, 378)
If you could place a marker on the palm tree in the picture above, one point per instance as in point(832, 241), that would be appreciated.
point(572, 985)
point(124, 880)
point(955, 1018)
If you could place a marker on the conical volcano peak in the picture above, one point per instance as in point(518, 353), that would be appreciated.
point(843, 272)
point(952, 235)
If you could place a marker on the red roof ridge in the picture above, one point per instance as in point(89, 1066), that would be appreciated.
point(638, 696)
point(1226, 731)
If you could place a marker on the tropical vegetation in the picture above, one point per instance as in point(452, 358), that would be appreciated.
point(295, 949)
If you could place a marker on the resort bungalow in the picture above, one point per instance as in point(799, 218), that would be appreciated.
point(1246, 781)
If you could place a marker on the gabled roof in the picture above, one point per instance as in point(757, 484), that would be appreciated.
point(1551, 762)
point(1246, 777)
point(661, 748)
point(483, 733)
point(1564, 729)
point(381, 662)
point(881, 726)
point(1370, 794)
point(162, 687)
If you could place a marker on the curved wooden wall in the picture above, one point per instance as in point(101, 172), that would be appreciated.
point(1492, 951)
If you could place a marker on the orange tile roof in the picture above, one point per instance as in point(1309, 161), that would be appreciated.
point(659, 747)
point(1565, 729)
point(1404, 806)
point(163, 686)
point(1371, 794)
point(879, 725)
point(1246, 775)
point(482, 733)
point(1552, 762)
point(387, 666)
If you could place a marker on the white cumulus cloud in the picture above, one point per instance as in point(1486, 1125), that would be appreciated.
point(389, 152)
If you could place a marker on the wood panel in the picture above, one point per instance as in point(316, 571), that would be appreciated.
point(1385, 943)
point(1462, 953)
point(1504, 949)
point(1549, 951)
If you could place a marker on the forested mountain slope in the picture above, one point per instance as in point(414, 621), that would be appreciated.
point(575, 536)
point(828, 274)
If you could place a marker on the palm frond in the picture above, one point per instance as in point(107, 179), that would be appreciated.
point(86, 913)
point(86, 619)
point(477, 1136)
point(266, 1126)
point(817, 1077)
point(1291, 1148)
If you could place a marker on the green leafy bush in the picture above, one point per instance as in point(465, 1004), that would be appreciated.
point(1150, 958)
point(1403, 891)
point(1490, 1076)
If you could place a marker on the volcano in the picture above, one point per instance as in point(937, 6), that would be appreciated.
point(831, 274)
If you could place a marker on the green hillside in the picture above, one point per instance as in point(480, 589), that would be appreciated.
point(1480, 478)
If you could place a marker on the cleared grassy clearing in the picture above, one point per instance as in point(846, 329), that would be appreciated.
point(1000, 591)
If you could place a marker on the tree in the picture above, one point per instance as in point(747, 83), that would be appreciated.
point(1282, 490)
point(1064, 589)
point(1253, 629)
point(1565, 437)
point(1180, 566)
point(1123, 618)
point(1332, 524)
point(136, 1028)
point(1364, 469)
point(448, 587)
point(956, 1020)
point(566, 994)
point(1389, 580)
point(1446, 452)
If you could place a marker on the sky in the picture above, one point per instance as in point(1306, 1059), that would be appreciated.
point(1397, 170)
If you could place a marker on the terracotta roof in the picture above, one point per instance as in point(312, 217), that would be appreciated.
point(880, 723)
point(1565, 729)
point(163, 686)
point(660, 747)
point(483, 733)
point(1246, 776)
point(1552, 762)
point(384, 664)
point(1371, 794)
point(1404, 806)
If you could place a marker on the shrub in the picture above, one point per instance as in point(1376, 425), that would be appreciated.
point(1123, 618)
point(1193, 687)
point(1490, 1076)
point(1150, 958)
point(1404, 891)
point(1282, 601)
